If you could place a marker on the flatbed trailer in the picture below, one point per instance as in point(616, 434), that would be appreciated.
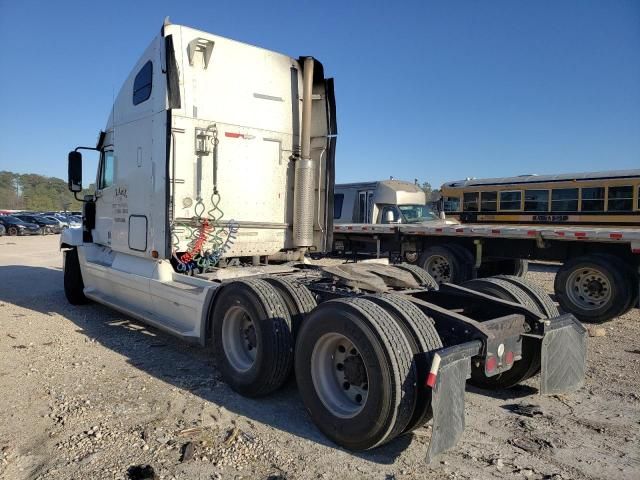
point(598, 279)
point(215, 183)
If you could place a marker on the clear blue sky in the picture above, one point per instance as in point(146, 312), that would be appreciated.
point(437, 90)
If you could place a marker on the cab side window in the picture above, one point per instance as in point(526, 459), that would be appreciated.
point(143, 83)
point(106, 170)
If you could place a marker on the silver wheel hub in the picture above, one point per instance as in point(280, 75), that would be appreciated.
point(439, 268)
point(239, 339)
point(589, 288)
point(339, 375)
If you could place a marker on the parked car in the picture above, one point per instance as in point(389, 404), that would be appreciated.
point(15, 226)
point(2, 230)
point(61, 225)
point(46, 225)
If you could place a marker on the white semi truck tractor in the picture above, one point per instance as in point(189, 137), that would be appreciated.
point(215, 183)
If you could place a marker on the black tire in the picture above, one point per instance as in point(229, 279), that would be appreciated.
point(504, 290)
point(632, 275)
point(423, 338)
point(298, 298)
point(423, 278)
point(618, 285)
point(260, 303)
point(73, 283)
point(13, 231)
point(391, 377)
point(538, 294)
point(451, 268)
point(515, 267)
point(467, 259)
point(529, 364)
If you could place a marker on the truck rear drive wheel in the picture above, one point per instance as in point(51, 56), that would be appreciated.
point(298, 298)
point(529, 364)
point(73, 284)
point(423, 278)
point(355, 372)
point(446, 264)
point(595, 288)
point(536, 293)
point(423, 337)
point(252, 337)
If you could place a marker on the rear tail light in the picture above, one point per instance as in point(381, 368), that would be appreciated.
point(508, 358)
point(490, 364)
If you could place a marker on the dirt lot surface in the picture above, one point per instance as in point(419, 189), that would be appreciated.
point(87, 393)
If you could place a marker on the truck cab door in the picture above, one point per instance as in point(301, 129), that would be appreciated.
point(105, 194)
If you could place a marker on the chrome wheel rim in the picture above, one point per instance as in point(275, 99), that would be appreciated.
point(589, 288)
point(438, 267)
point(339, 375)
point(239, 339)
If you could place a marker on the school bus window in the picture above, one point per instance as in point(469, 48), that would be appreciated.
point(592, 199)
point(488, 201)
point(451, 204)
point(536, 200)
point(564, 200)
point(470, 202)
point(510, 200)
point(620, 199)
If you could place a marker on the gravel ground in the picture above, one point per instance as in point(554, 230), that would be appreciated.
point(88, 393)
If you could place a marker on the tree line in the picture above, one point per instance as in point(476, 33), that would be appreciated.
point(30, 191)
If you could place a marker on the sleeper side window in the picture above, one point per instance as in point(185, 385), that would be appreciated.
point(143, 83)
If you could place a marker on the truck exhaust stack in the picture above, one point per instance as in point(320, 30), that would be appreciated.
point(303, 207)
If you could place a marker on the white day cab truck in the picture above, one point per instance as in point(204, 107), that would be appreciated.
point(598, 279)
point(215, 183)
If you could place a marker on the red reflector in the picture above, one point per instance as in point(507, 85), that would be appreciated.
point(617, 236)
point(495, 231)
point(560, 234)
point(431, 380)
point(531, 232)
point(233, 135)
point(349, 228)
point(508, 358)
point(459, 229)
point(439, 230)
point(490, 364)
point(580, 234)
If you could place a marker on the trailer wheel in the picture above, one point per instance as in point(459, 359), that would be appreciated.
point(529, 364)
point(423, 278)
point(594, 288)
point(355, 373)
point(514, 267)
point(538, 294)
point(632, 276)
point(73, 283)
point(467, 258)
point(298, 298)
point(423, 338)
point(444, 264)
point(252, 337)
point(504, 290)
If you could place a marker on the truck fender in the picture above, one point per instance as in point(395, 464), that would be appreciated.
point(71, 237)
point(205, 323)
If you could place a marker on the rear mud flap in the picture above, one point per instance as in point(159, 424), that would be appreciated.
point(563, 355)
point(447, 397)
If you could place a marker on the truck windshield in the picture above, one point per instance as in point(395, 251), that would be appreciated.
point(416, 213)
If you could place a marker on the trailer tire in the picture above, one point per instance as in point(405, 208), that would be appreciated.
point(421, 275)
point(467, 259)
point(252, 337)
point(444, 264)
point(514, 267)
point(73, 283)
point(383, 398)
point(423, 337)
point(632, 276)
point(504, 290)
point(536, 293)
point(595, 288)
point(298, 298)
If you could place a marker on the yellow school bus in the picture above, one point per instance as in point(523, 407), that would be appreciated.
point(590, 198)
